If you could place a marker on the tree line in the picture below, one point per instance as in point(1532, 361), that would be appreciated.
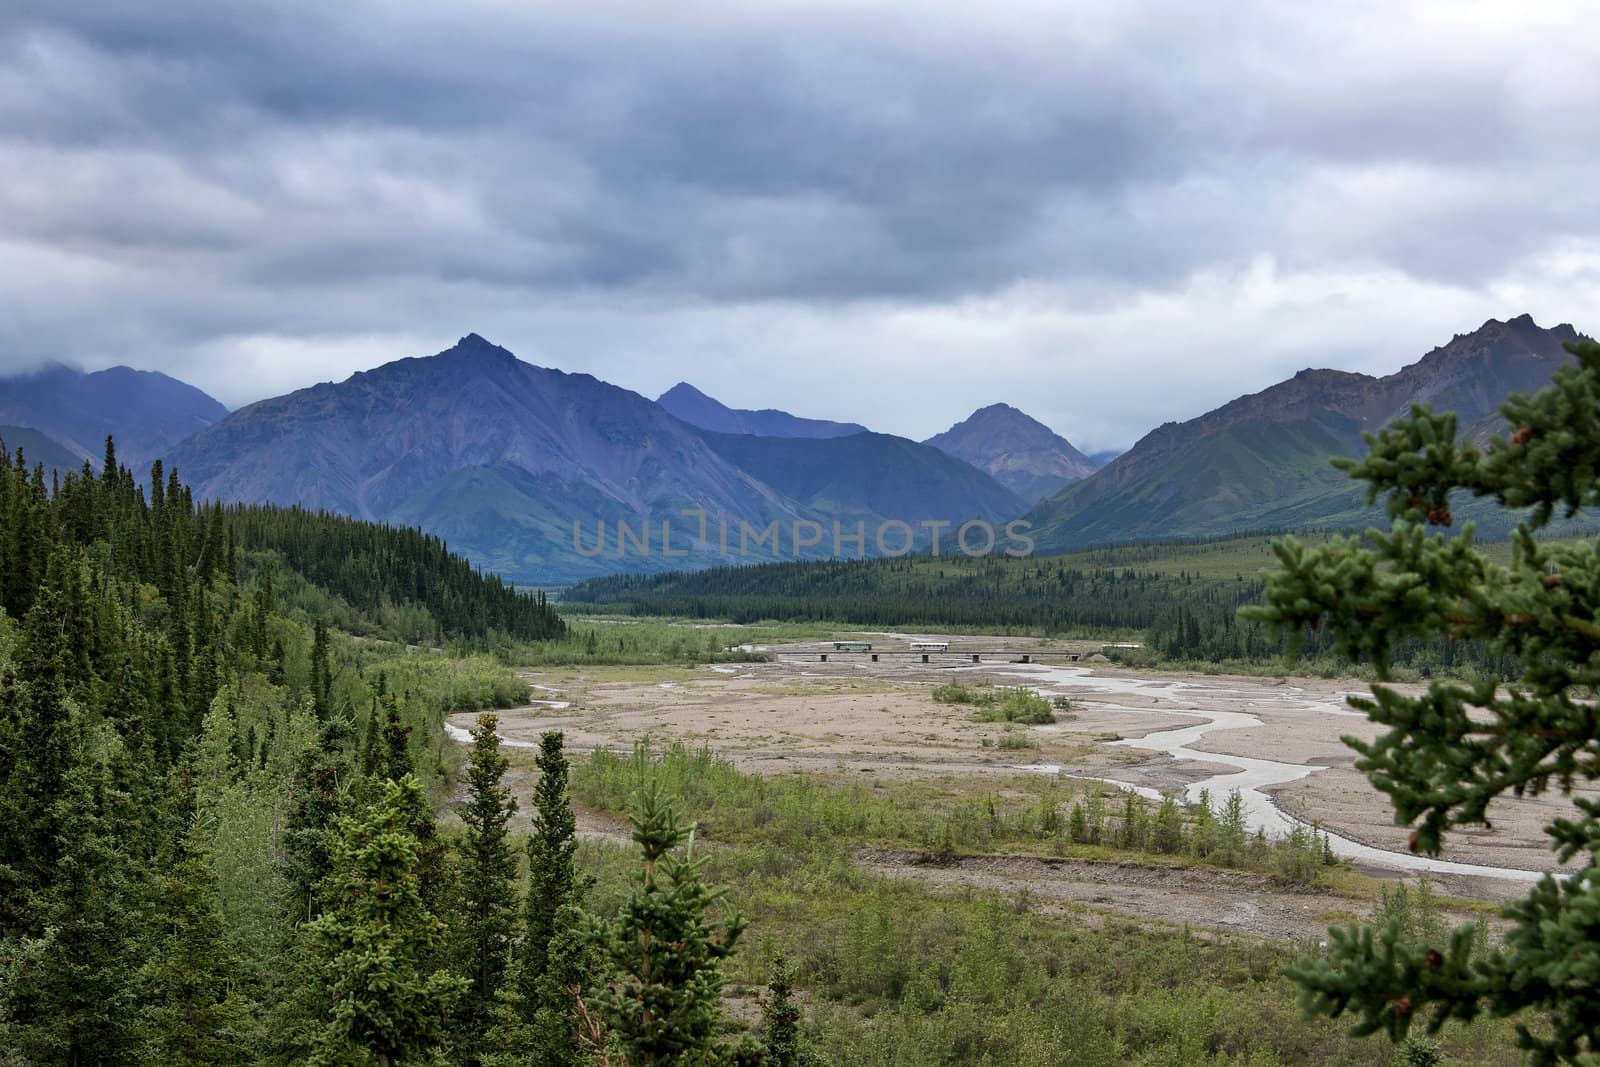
point(218, 841)
point(1178, 616)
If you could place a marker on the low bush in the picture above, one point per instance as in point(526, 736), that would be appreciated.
point(1016, 705)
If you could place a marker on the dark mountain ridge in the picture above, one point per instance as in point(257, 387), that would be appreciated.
point(39, 449)
point(697, 409)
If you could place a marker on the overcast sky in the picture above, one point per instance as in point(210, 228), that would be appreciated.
point(1109, 215)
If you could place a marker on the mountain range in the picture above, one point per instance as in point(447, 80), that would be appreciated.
point(1022, 453)
point(537, 473)
point(1261, 461)
point(519, 466)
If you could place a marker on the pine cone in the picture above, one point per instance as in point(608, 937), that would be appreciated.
point(1522, 436)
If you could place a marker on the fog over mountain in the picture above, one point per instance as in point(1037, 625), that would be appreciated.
point(148, 413)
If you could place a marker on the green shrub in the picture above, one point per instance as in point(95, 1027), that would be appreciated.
point(1012, 741)
point(956, 693)
point(1016, 705)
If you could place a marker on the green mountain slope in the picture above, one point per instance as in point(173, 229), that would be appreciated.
point(1262, 461)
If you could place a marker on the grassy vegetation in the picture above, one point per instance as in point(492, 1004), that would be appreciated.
point(1003, 704)
point(901, 975)
point(1030, 814)
point(609, 639)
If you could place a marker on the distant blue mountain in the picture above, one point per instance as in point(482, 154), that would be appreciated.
point(39, 448)
point(1019, 451)
point(686, 402)
point(147, 412)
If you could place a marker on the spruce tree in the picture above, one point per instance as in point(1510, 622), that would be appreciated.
point(1167, 833)
point(552, 868)
point(375, 946)
point(1203, 836)
point(536, 1020)
point(1231, 829)
point(321, 673)
point(47, 737)
point(1447, 754)
point(780, 1019)
point(321, 778)
point(196, 1015)
point(662, 1004)
point(396, 742)
point(549, 1035)
point(72, 996)
point(487, 880)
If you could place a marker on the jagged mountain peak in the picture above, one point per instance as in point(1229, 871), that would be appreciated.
point(474, 348)
point(682, 390)
point(999, 409)
point(475, 344)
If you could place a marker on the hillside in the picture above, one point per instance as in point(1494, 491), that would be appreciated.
point(147, 412)
point(1020, 452)
point(686, 402)
point(1261, 461)
point(39, 448)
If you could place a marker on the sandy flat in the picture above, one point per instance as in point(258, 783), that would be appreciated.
point(849, 717)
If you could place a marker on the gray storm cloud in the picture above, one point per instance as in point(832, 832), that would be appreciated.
point(1108, 215)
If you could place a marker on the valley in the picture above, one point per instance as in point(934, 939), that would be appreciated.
point(1116, 776)
point(799, 535)
point(851, 723)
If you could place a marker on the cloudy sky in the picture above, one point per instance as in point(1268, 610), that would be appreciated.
point(1110, 215)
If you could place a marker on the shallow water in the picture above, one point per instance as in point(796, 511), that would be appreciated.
point(1247, 774)
point(464, 736)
